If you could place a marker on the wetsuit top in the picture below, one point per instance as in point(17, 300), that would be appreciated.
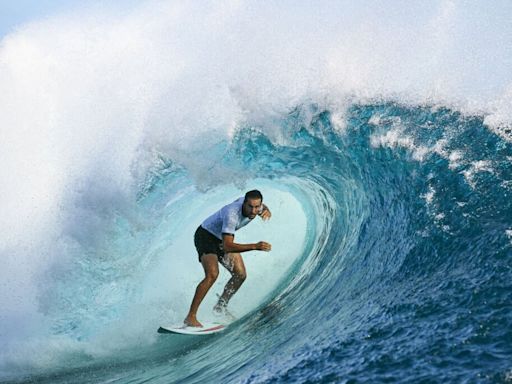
point(226, 220)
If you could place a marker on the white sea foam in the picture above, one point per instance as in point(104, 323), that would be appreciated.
point(90, 97)
point(475, 168)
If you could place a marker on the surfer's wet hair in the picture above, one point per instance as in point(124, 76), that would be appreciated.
point(254, 194)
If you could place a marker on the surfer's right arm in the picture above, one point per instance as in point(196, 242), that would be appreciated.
point(230, 246)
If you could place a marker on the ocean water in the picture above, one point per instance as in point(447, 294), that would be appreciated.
point(379, 134)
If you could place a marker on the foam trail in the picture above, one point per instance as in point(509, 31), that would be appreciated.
point(94, 100)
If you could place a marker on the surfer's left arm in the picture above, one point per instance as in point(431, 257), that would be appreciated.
point(265, 213)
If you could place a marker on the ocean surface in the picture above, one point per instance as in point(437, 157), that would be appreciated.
point(379, 134)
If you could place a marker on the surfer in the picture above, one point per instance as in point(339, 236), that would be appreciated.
point(214, 241)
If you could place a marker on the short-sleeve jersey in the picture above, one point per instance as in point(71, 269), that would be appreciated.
point(227, 220)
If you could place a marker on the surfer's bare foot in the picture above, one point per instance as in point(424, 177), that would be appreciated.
point(191, 321)
point(221, 310)
point(220, 307)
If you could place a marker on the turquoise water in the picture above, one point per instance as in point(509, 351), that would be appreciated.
point(390, 192)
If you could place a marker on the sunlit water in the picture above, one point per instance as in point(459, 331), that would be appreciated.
point(379, 137)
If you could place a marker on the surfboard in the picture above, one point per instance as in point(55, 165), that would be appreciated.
point(206, 329)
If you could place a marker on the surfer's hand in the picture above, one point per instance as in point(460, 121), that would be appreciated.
point(263, 246)
point(265, 214)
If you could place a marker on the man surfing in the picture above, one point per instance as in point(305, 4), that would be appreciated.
point(215, 243)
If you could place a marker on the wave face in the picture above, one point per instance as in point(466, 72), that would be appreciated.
point(388, 174)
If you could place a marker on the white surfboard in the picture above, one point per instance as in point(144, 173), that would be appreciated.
point(206, 329)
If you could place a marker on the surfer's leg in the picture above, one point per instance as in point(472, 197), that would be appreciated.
point(211, 270)
point(234, 263)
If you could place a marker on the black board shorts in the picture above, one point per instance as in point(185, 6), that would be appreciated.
point(205, 243)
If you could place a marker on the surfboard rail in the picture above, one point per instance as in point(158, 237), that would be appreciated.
point(206, 329)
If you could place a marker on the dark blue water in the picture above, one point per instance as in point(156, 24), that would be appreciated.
point(404, 269)
point(414, 277)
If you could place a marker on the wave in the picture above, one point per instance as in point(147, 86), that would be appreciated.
point(387, 171)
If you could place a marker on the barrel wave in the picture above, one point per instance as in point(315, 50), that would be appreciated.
point(389, 186)
point(391, 260)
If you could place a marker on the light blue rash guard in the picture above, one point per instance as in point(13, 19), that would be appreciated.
point(227, 220)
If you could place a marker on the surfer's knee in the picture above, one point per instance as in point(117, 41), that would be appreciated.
point(241, 275)
point(211, 268)
point(211, 276)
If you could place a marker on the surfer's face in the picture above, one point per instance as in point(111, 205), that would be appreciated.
point(251, 208)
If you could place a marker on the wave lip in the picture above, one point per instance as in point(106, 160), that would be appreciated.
point(367, 252)
point(392, 137)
